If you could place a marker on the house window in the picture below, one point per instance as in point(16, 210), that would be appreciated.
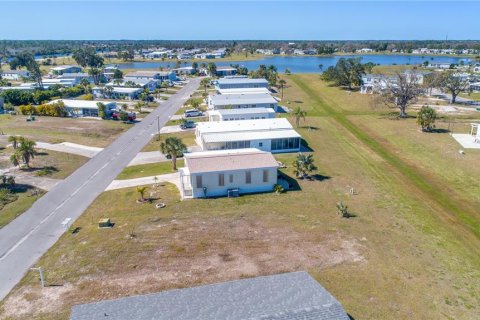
point(221, 179)
point(265, 175)
point(230, 178)
point(260, 144)
point(248, 177)
point(199, 181)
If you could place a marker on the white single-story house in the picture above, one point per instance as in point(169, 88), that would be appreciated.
point(77, 77)
point(227, 173)
point(149, 84)
point(15, 75)
point(226, 71)
point(237, 101)
point(439, 65)
point(273, 135)
point(241, 114)
point(85, 108)
point(65, 69)
point(184, 70)
point(67, 82)
point(243, 90)
point(152, 75)
point(475, 86)
point(118, 93)
point(240, 82)
point(109, 71)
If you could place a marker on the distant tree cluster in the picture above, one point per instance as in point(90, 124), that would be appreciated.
point(270, 73)
point(20, 97)
point(346, 73)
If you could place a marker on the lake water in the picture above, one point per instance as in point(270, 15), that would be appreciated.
point(307, 64)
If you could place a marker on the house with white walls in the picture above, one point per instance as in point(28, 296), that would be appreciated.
point(241, 114)
point(273, 135)
point(241, 100)
point(227, 173)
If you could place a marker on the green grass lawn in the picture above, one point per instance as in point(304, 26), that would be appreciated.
point(407, 253)
point(91, 132)
point(188, 138)
point(146, 170)
point(59, 165)
point(14, 209)
point(474, 96)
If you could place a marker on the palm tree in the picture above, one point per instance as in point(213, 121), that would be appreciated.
point(165, 85)
point(14, 140)
point(282, 84)
point(303, 165)
point(204, 83)
point(141, 191)
point(108, 91)
point(25, 152)
point(298, 113)
point(174, 147)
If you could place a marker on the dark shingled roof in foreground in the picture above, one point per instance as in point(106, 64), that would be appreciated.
point(288, 296)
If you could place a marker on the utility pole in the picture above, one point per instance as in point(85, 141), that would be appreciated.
point(40, 270)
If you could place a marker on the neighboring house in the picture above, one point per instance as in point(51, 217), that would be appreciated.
point(76, 77)
point(375, 83)
point(439, 65)
point(15, 75)
point(235, 101)
point(67, 82)
point(294, 295)
point(241, 114)
point(151, 75)
point(274, 135)
point(65, 69)
point(227, 173)
point(226, 71)
point(109, 71)
point(475, 86)
point(240, 83)
point(117, 93)
point(243, 90)
point(184, 70)
point(84, 108)
point(148, 84)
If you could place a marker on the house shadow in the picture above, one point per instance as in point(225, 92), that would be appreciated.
point(287, 182)
point(350, 316)
point(282, 109)
point(304, 147)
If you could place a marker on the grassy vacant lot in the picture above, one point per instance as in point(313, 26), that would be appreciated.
point(188, 138)
point(89, 132)
point(25, 199)
point(407, 253)
point(146, 170)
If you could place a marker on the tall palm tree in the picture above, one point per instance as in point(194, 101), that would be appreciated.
point(165, 86)
point(298, 113)
point(282, 84)
point(25, 152)
point(204, 83)
point(174, 147)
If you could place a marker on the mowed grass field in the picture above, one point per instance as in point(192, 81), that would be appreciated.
point(90, 132)
point(410, 252)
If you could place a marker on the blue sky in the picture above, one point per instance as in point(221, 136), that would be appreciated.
point(275, 20)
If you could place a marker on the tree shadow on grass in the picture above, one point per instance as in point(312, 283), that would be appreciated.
point(320, 177)
point(439, 130)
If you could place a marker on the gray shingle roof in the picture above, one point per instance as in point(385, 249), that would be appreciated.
point(292, 296)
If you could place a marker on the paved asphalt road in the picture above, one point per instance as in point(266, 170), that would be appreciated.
point(27, 238)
